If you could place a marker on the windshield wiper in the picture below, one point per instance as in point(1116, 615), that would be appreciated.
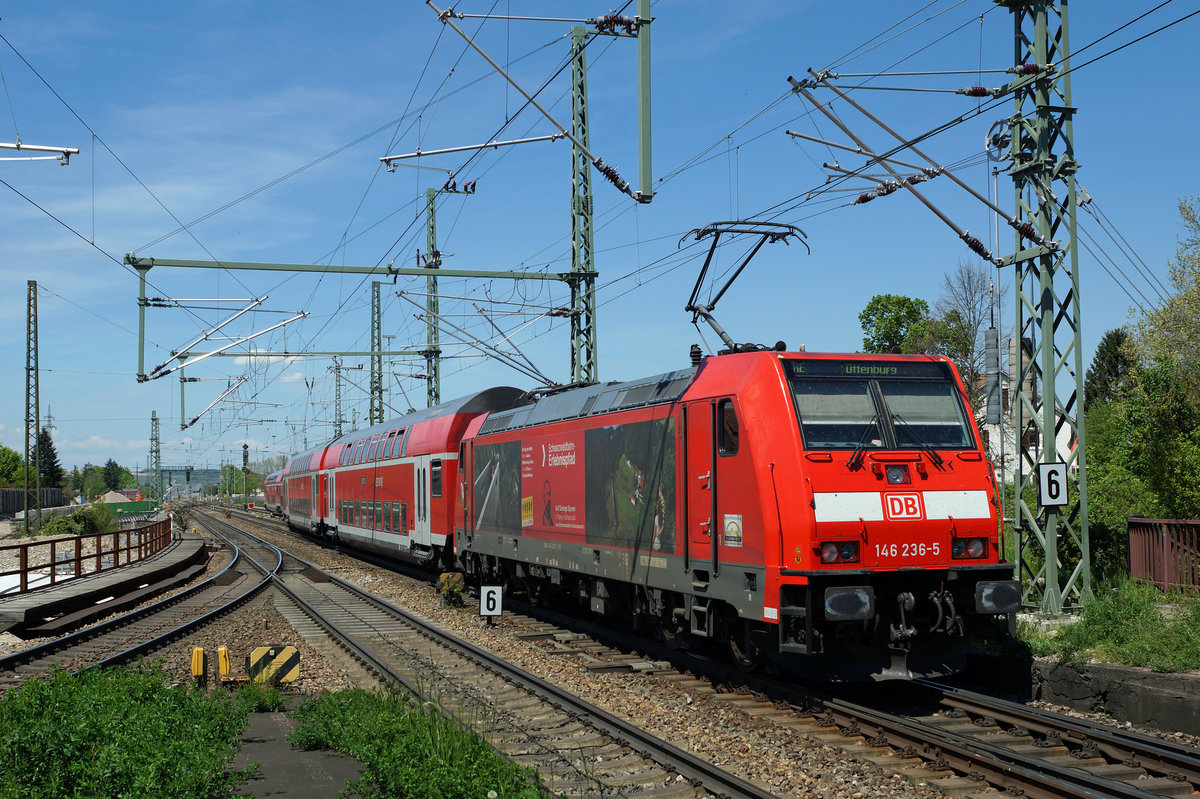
point(860, 449)
point(900, 424)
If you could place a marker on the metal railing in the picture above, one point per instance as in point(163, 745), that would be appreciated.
point(43, 563)
point(1165, 552)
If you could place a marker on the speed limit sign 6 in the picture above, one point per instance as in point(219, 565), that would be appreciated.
point(1052, 484)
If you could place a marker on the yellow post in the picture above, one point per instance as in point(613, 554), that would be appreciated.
point(200, 666)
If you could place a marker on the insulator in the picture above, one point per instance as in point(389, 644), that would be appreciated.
point(1029, 69)
point(863, 198)
point(976, 246)
point(1026, 230)
point(974, 91)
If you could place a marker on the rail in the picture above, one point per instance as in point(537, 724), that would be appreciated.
point(1165, 552)
point(43, 563)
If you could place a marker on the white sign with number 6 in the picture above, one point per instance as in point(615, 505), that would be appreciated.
point(1052, 484)
point(490, 597)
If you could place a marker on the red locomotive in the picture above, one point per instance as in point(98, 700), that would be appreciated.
point(834, 509)
point(833, 514)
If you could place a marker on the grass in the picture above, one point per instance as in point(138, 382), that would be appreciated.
point(118, 732)
point(1125, 625)
point(409, 751)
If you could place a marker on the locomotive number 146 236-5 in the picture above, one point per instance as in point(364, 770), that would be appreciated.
point(909, 549)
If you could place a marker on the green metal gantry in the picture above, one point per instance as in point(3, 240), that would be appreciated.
point(1047, 309)
point(584, 356)
point(433, 262)
point(33, 471)
point(376, 385)
point(583, 266)
point(156, 486)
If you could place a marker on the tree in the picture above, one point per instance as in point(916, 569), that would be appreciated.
point(1173, 329)
point(962, 316)
point(93, 481)
point(892, 323)
point(1162, 423)
point(1112, 367)
point(49, 469)
point(12, 465)
point(112, 475)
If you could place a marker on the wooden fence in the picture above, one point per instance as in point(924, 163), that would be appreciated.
point(1165, 552)
point(12, 500)
point(61, 558)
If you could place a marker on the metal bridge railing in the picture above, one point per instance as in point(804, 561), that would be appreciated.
point(35, 564)
point(1165, 552)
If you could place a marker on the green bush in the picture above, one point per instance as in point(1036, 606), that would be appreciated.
point(117, 732)
point(88, 520)
point(1124, 625)
point(255, 697)
point(408, 752)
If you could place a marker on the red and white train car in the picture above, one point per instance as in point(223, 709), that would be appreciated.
point(273, 493)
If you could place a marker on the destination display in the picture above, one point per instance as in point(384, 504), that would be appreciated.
point(867, 369)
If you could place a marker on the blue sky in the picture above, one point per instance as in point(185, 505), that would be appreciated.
point(280, 111)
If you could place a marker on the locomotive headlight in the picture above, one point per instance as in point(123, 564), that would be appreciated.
point(897, 474)
point(968, 548)
point(829, 552)
point(839, 551)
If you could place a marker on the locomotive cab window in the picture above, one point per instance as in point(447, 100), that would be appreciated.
point(878, 404)
point(727, 428)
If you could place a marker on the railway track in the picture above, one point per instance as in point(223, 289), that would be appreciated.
point(126, 637)
point(579, 749)
point(962, 742)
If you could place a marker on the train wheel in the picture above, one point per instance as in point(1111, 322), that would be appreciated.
point(744, 653)
point(537, 591)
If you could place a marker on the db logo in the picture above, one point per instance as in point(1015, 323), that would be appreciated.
point(902, 506)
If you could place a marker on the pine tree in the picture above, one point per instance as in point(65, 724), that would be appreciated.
point(112, 475)
point(1111, 367)
point(49, 469)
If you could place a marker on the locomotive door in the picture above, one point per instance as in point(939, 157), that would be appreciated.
point(700, 487)
point(421, 535)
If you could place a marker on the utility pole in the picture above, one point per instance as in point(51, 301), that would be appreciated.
point(33, 471)
point(583, 266)
point(433, 261)
point(156, 485)
point(1047, 310)
point(376, 392)
point(584, 357)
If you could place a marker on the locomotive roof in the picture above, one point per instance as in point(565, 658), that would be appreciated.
point(591, 400)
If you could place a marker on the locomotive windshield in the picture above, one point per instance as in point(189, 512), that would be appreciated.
point(878, 405)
